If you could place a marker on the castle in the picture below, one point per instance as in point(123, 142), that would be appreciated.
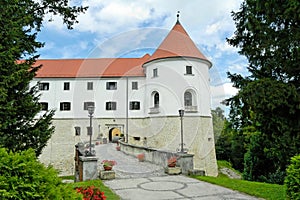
point(134, 98)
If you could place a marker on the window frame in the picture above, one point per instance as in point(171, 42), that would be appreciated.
point(111, 85)
point(43, 86)
point(90, 86)
point(65, 106)
point(86, 104)
point(134, 85)
point(110, 105)
point(189, 70)
point(66, 85)
point(134, 105)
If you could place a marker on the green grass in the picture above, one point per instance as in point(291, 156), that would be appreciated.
point(262, 190)
point(98, 183)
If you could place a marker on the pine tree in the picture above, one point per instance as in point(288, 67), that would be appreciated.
point(268, 34)
point(20, 22)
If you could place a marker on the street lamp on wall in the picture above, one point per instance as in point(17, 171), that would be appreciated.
point(181, 114)
point(91, 110)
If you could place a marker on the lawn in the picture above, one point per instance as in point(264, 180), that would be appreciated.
point(262, 190)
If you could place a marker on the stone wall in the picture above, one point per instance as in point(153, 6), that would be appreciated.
point(160, 133)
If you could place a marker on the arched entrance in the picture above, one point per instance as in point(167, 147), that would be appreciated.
point(113, 132)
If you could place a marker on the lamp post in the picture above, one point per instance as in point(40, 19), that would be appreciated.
point(181, 113)
point(91, 110)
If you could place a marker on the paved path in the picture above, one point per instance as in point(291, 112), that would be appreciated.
point(145, 181)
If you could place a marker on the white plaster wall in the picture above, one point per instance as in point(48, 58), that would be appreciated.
point(171, 83)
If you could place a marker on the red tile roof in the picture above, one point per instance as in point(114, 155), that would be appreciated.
point(101, 67)
point(177, 44)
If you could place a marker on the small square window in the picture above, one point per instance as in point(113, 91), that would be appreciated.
point(65, 106)
point(111, 85)
point(135, 85)
point(43, 86)
point(90, 86)
point(188, 70)
point(155, 73)
point(134, 105)
point(87, 104)
point(66, 85)
point(111, 105)
point(44, 106)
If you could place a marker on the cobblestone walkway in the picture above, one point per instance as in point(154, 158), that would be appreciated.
point(145, 181)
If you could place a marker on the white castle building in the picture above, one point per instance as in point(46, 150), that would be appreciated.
point(137, 98)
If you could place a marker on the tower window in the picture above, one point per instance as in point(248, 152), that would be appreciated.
point(156, 100)
point(155, 72)
point(188, 69)
point(188, 99)
point(44, 106)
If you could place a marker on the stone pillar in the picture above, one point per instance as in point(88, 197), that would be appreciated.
point(88, 167)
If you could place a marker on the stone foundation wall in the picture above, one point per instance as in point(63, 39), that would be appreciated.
point(161, 133)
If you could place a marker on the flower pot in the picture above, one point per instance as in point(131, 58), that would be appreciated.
point(172, 164)
point(107, 168)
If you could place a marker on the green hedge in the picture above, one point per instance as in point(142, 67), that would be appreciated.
point(292, 180)
point(24, 177)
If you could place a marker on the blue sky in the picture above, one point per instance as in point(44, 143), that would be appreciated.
point(131, 28)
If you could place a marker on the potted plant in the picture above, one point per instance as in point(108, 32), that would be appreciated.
point(172, 161)
point(141, 157)
point(108, 164)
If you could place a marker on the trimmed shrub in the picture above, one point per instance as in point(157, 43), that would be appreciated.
point(24, 177)
point(292, 180)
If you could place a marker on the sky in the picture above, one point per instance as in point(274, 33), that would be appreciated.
point(131, 28)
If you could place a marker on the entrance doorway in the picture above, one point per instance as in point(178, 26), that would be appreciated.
point(114, 132)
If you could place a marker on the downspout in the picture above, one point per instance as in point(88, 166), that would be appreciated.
point(127, 109)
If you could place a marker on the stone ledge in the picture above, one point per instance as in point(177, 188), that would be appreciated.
point(107, 175)
point(196, 172)
point(173, 170)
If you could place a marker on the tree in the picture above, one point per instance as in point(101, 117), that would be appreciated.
point(20, 22)
point(218, 121)
point(268, 34)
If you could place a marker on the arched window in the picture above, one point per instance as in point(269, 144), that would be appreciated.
point(188, 98)
point(156, 100)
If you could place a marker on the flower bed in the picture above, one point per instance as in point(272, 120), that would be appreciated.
point(91, 193)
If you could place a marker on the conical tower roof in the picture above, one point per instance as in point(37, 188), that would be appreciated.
point(177, 44)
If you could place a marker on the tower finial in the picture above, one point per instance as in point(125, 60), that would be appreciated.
point(178, 12)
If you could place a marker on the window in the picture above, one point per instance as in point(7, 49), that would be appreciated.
point(188, 99)
point(44, 106)
point(66, 85)
point(77, 130)
point(111, 105)
point(111, 85)
point(87, 104)
point(156, 100)
point(90, 86)
point(155, 74)
point(134, 85)
point(65, 106)
point(134, 105)
point(43, 86)
point(188, 70)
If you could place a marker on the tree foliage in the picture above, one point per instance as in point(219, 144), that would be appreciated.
point(268, 34)
point(23, 177)
point(20, 22)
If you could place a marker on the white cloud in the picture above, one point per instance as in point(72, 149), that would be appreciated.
point(222, 92)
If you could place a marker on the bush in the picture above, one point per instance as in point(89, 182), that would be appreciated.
point(24, 177)
point(292, 180)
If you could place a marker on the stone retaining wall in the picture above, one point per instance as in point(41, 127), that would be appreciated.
point(160, 157)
